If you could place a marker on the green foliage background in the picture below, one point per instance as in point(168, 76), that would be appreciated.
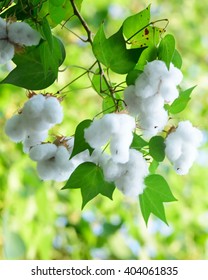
point(38, 220)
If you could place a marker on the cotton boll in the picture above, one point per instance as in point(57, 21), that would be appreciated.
point(80, 158)
point(6, 51)
point(154, 123)
point(22, 34)
point(152, 104)
point(175, 74)
point(156, 69)
point(96, 135)
point(131, 182)
point(112, 170)
point(126, 123)
point(99, 157)
point(52, 111)
point(173, 149)
point(132, 101)
point(168, 91)
point(62, 157)
point(14, 128)
point(43, 152)
point(46, 169)
point(119, 147)
point(3, 31)
point(32, 139)
point(70, 144)
point(110, 122)
point(143, 88)
point(189, 133)
point(34, 106)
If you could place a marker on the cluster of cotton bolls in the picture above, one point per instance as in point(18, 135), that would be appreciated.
point(14, 34)
point(30, 126)
point(124, 166)
point(154, 87)
point(181, 146)
point(53, 159)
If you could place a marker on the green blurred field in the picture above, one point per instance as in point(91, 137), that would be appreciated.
point(38, 220)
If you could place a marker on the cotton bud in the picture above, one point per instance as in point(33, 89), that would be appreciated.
point(43, 151)
point(52, 111)
point(6, 51)
point(22, 34)
point(15, 129)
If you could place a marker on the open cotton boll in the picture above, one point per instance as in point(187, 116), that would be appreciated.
point(80, 158)
point(152, 124)
point(37, 124)
point(173, 147)
point(189, 133)
point(14, 128)
point(62, 156)
point(119, 147)
point(43, 151)
point(46, 169)
point(99, 157)
point(96, 135)
point(126, 123)
point(34, 106)
point(111, 122)
point(168, 91)
point(132, 101)
point(175, 74)
point(143, 88)
point(156, 69)
point(186, 160)
point(22, 34)
point(3, 31)
point(112, 170)
point(152, 104)
point(131, 181)
point(33, 138)
point(6, 51)
point(52, 110)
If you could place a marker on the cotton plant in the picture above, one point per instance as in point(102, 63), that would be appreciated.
point(13, 34)
point(123, 145)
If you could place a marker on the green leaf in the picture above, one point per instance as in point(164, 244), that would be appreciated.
point(89, 178)
point(157, 148)
point(136, 22)
point(157, 192)
point(177, 59)
point(46, 30)
point(108, 105)
point(112, 52)
point(181, 102)
point(99, 84)
point(62, 10)
point(166, 49)
point(138, 142)
point(80, 144)
point(153, 166)
point(37, 68)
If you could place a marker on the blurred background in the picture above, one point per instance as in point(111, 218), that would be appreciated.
point(38, 220)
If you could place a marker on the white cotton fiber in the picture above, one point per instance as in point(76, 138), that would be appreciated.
point(46, 169)
point(97, 135)
point(34, 106)
point(22, 34)
point(6, 51)
point(37, 124)
point(119, 146)
point(33, 138)
point(168, 91)
point(175, 74)
point(14, 128)
point(143, 88)
point(52, 111)
point(151, 104)
point(3, 32)
point(173, 147)
point(131, 181)
point(112, 170)
point(132, 101)
point(43, 152)
point(189, 133)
